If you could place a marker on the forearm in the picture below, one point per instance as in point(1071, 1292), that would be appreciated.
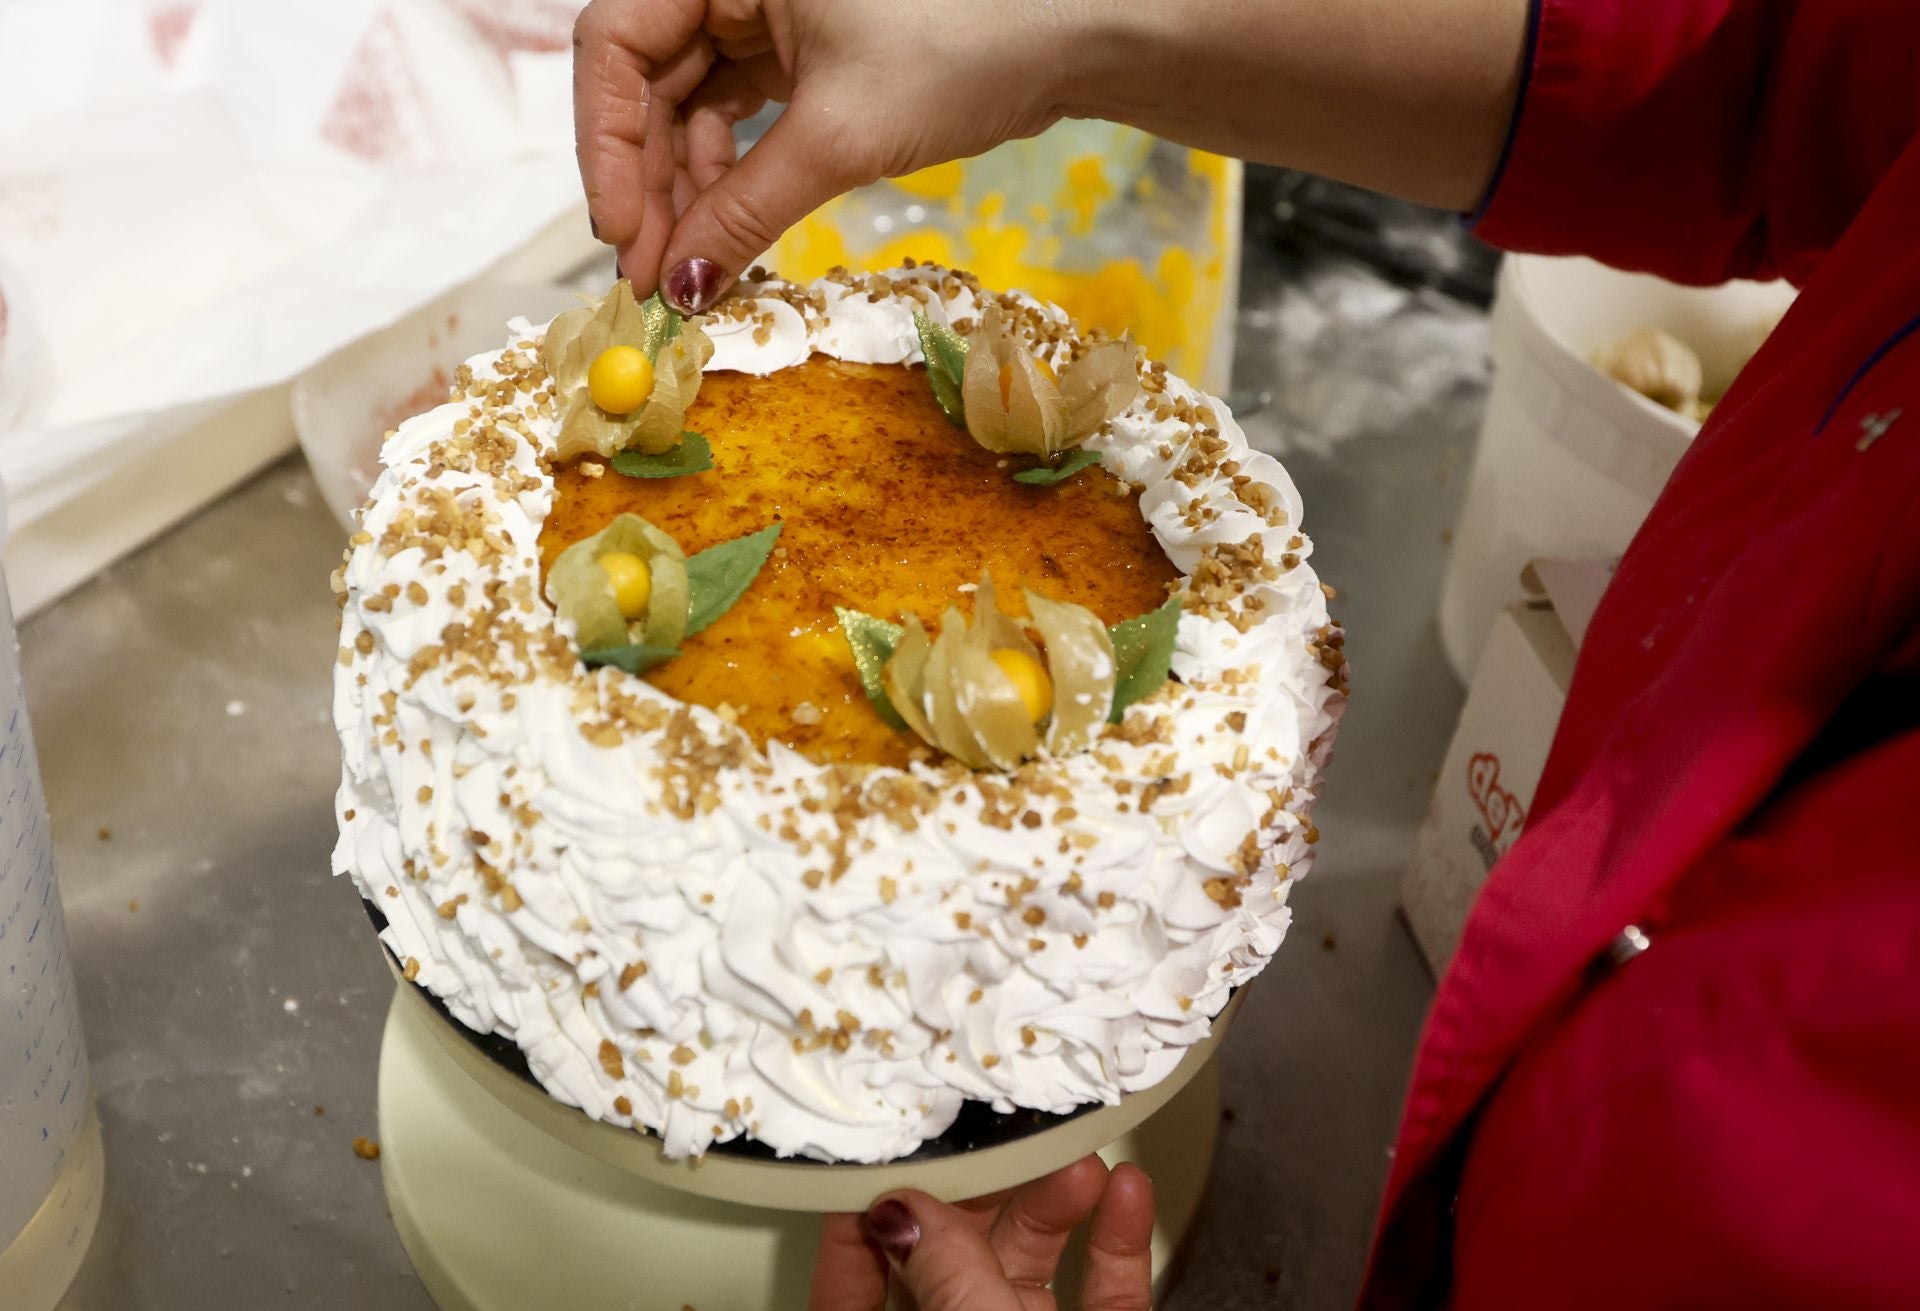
point(1410, 97)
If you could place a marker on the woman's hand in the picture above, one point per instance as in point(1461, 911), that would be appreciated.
point(1413, 98)
point(995, 1253)
point(874, 88)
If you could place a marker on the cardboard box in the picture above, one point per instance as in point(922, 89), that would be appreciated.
point(1485, 791)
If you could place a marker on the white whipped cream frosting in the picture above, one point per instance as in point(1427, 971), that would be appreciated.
point(455, 779)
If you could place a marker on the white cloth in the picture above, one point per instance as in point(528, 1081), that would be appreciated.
point(199, 198)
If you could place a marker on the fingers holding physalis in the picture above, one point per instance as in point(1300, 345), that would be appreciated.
point(635, 62)
point(811, 154)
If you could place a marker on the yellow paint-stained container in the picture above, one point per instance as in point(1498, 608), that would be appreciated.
point(1126, 232)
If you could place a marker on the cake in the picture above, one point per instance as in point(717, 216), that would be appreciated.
point(957, 743)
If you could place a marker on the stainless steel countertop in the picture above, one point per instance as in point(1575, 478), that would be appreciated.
point(231, 988)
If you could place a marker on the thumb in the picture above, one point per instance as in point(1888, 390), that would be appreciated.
point(943, 1260)
point(805, 159)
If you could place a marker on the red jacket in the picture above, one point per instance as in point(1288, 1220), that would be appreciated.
point(1732, 1117)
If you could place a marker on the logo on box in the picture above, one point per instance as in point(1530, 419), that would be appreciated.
point(1500, 811)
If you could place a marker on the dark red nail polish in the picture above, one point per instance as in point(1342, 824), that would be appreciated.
point(891, 1226)
point(694, 284)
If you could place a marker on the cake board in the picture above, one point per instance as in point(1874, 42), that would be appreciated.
point(507, 1199)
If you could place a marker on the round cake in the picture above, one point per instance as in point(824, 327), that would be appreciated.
point(795, 722)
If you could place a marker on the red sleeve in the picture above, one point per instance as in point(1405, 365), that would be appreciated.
point(1704, 139)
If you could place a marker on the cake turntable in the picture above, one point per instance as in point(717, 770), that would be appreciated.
point(508, 1199)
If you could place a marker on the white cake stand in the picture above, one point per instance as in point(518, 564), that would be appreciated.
point(508, 1200)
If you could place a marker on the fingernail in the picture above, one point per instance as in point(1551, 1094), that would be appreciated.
point(693, 285)
point(892, 1226)
point(593, 226)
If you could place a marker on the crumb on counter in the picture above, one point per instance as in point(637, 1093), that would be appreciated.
point(366, 1149)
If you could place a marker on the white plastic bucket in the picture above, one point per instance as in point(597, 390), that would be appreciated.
point(1570, 461)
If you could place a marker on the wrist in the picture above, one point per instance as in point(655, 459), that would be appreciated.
point(1101, 48)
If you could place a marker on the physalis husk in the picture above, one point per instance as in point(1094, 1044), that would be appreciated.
point(1014, 405)
point(582, 590)
point(676, 350)
point(963, 692)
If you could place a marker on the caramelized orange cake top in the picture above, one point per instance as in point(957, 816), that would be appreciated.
point(885, 508)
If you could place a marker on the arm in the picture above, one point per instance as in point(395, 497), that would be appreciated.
point(1695, 138)
point(1409, 97)
point(1412, 96)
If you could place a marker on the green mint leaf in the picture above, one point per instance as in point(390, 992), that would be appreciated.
point(1143, 654)
point(1077, 459)
point(946, 354)
point(692, 455)
point(635, 659)
point(872, 640)
point(659, 324)
point(720, 575)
